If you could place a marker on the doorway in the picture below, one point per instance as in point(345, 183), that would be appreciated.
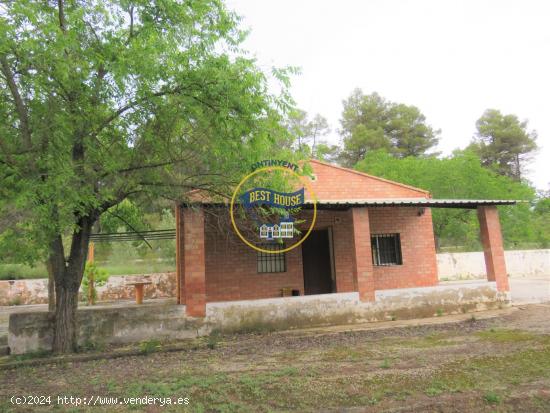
point(317, 262)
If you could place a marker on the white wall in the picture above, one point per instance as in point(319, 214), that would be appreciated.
point(464, 265)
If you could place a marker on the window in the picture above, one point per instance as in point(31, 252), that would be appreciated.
point(386, 249)
point(287, 229)
point(271, 262)
point(264, 232)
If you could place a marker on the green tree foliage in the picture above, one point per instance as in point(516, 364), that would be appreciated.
point(297, 124)
point(125, 216)
point(318, 128)
point(326, 152)
point(542, 220)
point(309, 133)
point(504, 143)
point(105, 101)
point(370, 122)
point(460, 176)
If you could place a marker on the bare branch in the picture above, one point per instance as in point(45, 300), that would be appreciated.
point(131, 227)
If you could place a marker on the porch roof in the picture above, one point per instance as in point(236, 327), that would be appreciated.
point(415, 202)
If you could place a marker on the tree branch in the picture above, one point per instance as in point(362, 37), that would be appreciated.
point(131, 22)
point(120, 111)
point(61, 12)
point(131, 227)
point(20, 106)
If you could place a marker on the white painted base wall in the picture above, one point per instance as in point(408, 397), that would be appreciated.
point(346, 308)
point(468, 265)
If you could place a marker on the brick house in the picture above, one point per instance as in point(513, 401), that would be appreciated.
point(371, 234)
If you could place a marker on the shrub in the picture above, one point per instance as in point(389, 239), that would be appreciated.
point(213, 340)
point(149, 346)
point(492, 398)
point(16, 301)
point(99, 277)
point(385, 364)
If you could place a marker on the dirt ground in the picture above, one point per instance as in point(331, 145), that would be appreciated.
point(497, 364)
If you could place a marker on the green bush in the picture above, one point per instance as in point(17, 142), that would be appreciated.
point(492, 398)
point(149, 346)
point(99, 276)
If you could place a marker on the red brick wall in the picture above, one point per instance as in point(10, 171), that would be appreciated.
point(362, 263)
point(419, 267)
point(491, 237)
point(231, 266)
point(231, 270)
point(194, 269)
point(333, 182)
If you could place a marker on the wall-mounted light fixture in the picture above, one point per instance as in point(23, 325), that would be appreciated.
point(421, 211)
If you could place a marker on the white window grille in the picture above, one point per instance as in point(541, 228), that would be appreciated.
point(287, 229)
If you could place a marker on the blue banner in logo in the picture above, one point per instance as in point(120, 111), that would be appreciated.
point(265, 196)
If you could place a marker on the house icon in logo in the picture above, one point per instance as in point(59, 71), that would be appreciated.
point(284, 229)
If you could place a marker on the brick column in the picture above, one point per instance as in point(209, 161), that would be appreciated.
point(193, 270)
point(491, 237)
point(180, 291)
point(362, 255)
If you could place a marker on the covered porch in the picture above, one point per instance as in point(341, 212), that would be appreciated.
point(349, 225)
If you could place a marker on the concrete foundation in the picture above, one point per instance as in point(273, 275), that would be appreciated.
point(32, 331)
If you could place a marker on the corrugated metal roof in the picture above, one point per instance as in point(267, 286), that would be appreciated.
point(418, 202)
point(421, 202)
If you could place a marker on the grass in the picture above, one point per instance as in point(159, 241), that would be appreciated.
point(301, 388)
point(22, 271)
point(149, 346)
point(505, 335)
point(331, 375)
point(427, 341)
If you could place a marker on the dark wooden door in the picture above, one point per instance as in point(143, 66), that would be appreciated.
point(317, 263)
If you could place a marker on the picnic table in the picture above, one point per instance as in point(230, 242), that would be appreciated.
point(138, 285)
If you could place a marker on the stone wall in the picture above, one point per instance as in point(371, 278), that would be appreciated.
point(119, 324)
point(163, 285)
point(452, 266)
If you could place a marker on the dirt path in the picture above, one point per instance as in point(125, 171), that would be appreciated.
point(478, 364)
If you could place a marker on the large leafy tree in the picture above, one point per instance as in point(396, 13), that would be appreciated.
point(370, 122)
point(460, 176)
point(105, 101)
point(504, 143)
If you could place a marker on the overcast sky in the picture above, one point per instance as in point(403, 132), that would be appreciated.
point(452, 59)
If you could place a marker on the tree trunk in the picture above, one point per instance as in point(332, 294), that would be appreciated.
point(51, 287)
point(68, 276)
point(518, 170)
point(65, 337)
